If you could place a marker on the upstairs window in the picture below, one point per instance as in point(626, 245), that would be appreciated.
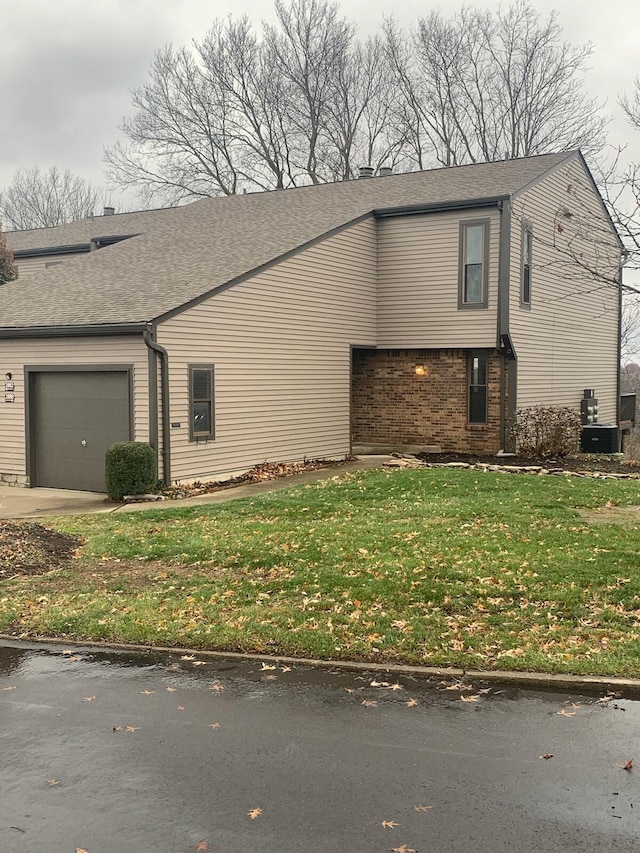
point(477, 410)
point(527, 246)
point(201, 408)
point(474, 264)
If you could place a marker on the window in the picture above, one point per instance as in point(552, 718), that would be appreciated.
point(201, 402)
point(477, 387)
point(474, 264)
point(527, 245)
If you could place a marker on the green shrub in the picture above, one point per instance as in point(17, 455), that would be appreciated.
point(130, 469)
point(546, 431)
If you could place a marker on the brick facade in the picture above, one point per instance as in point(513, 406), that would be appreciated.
point(390, 405)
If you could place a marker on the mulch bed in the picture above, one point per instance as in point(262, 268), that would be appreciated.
point(257, 474)
point(610, 464)
point(27, 548)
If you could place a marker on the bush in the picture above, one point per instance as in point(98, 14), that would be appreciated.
point(544, 431)
point(130, 469)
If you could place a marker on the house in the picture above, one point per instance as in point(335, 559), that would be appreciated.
point(400, 310)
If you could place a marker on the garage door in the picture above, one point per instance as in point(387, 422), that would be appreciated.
point(75, 417)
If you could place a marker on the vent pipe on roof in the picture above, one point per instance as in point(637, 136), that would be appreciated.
point(108, 211)
point(365, 172)
point(383, 171)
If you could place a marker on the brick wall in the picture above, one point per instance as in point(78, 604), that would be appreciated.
point(391, 405)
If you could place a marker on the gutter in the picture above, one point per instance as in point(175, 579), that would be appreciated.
point(79, 331)
point(73, 249)
point(148, 336)
point(440, 207)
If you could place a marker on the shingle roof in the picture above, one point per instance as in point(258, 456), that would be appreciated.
point(183, 253)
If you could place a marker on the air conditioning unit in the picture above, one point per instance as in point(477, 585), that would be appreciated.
point(600, 438)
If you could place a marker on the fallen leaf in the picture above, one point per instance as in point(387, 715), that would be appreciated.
point(117, 728)
point(214, 725)
point(629, 765)
point(404, 849)
point(458, 686)
point(199, 662)
point(266, 666)
point(484, 690)
point(270, 677)
point(411, 703)
point(254, 813)
point(8, 688)
point(88, 698)
point(422, 808)
point(146, 692)
point(80, 850)
point(217, 687)
point(188, 657)
point(469, 698)
point(170, 689)
point(369, 703)
point(375, 683)
point(181, 707)
point(202, 845)
point(285, 668)
point(131, 728)
point(547, 755)
point(67, 651)
point(53, 782)
point(563, 713)
point(389, 824)
point(396, 686)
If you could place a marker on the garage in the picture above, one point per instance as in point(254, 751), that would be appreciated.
point(74, 416)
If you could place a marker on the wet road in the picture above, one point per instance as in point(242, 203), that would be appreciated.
point(113, 753)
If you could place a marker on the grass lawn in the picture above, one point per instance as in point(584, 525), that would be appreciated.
point(434, 566)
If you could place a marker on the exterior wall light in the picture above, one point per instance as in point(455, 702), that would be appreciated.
point(420, 370)
point(7, 376)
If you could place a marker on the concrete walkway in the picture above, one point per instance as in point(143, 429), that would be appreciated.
point(36, 503)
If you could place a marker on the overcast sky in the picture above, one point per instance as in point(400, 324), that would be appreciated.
point(67, 67)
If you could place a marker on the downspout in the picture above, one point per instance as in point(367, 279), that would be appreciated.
point(160, 351)
point(623, 260)
point(509, 374)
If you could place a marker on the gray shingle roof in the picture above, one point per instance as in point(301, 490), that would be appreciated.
point(183, 253)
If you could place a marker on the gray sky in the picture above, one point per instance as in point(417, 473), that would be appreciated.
point(67, 68)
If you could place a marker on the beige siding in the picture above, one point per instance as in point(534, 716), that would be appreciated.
point(31, 266)
point(280, 342)
point(16, 354)
point(418, 283)
point(567, 341)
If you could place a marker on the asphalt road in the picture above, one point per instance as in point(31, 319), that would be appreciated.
point(122, 753)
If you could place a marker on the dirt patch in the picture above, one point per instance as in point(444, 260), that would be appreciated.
point(625, 516)
point(31, 549)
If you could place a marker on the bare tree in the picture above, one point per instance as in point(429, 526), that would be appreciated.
point(8, 271)
point(303, 103)
point(36, 199)
point(481, 86)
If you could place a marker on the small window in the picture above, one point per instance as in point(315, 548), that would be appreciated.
point(527, 246)
point(477, 387)
point(474, 263)
point(201, 409)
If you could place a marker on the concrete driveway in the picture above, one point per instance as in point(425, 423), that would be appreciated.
point(33, 503)
point(36, 503)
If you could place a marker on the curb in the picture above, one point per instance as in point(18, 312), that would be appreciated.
point(629, 687)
